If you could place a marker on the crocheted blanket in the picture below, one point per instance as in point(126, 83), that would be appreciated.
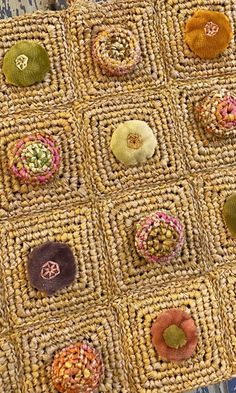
point(117, 204)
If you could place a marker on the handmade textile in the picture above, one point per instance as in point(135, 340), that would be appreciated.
point(94, 202)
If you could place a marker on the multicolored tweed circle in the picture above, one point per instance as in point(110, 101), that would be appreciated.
point(167, 237)
point(217, 114)
point(35, 159)
point(116, 50)
point(77, 368)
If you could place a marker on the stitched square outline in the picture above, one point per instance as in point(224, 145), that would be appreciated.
point(181, 62)
point(67, 185)
point(78, 227)
point(84, 23)
point(98, 328)
point(99, 123)
point(119, 216)
point(212, 190)
point(57, 88)
point(203, 153)
point(148, 372)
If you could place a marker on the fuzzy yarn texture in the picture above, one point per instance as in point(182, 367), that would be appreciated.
point(127, 121)
point(133, 142)
point(51, 267)
point(208, 33)
point(229, 213)
point(25, 63)
point(174, 335)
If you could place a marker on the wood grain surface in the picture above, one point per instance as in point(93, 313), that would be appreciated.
point(9, 8)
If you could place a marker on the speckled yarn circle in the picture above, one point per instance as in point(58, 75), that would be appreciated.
point(217, 114)
point(116, 50)
point(144, 228)
point(77, 369)
point(35, 159)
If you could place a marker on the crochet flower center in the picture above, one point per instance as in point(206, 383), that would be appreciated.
point(37, 157)
point(211, 29)
point(50, 270)
point(162, 239)
point(134, 141)
point(226, 112)
point(116, 47)
point(174, 337)
point(34, 159)
point(21, 62)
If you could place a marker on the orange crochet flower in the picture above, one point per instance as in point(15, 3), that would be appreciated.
point(208, 33)
point(174, 335)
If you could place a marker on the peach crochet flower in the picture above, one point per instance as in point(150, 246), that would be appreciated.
point(174, 335)
point(208, 33)
point(77, 369)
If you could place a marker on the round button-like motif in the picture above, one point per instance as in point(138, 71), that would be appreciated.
point(133, 142)
point(217, 114)
point(116, 50)
point(51, 267)
point(229, 213)
point(25, 63)
point(208, 33)
point(77, 369)
point(34, 159)
point(159, 237)
point(174, 335)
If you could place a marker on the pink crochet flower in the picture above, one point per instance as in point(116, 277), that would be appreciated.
point(159, 237)
point(35, 159)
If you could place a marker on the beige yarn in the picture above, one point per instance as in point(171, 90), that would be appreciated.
point(95, 202)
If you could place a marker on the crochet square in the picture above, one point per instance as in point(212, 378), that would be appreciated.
point(202, 152)
point(97, 328)
point(181, 62)
point(9, 375)
point(99, 123)
point(67, 185)
point(148, 372)
point(211, 191)
point(119, 217)
point(57, 88)
point(226, 284)
point(85, 22)
point(79, 229)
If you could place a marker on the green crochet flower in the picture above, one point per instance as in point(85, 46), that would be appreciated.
point(25, 64)
point(229, 214)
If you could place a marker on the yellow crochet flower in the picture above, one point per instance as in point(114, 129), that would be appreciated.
point(208, 33)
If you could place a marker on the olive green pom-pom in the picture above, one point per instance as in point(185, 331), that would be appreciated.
point(174, 337)
point(25, 64)
point(229, 213)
